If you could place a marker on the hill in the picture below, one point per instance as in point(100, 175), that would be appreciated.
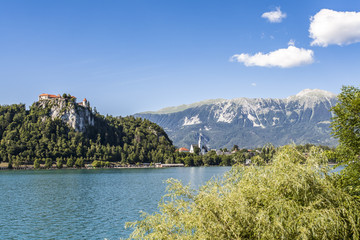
point(63, 131)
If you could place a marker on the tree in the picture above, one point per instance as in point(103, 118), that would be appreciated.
point(79, 163)
point(48, 163)
point(37, 163)
point(346, 127)
point(346, 121)
point(70, 162)
point(235, 148)
point(257, 160)
point(284, 200)
point(196, 150)
point(59, 163)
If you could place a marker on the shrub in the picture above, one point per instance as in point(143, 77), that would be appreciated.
point(79, 163)
point(70, 162)
point(37, 164)
point(59, 163)
point(285, 199)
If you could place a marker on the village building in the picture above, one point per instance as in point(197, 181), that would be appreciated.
point(45, 96)
point(192, 148)
point(204, 150)
point(183, 149)
point(84, 103)
point(221, 152)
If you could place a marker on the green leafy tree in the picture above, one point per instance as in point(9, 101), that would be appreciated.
point(48, 163)
point(257, 160)
point(79, 163)
point(196, 150)
point(346, 127)
point(235, 148)
point(59, 163)
point(70, 162)
point(37, 164)
point(346, 121)
point(96, 164)
point(283, 200)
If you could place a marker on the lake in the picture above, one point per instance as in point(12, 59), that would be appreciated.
point(84, 204)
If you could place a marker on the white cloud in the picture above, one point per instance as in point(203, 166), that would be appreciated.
point(332, 27)
point(274, 16)
point(291, 42)
point(253, 84)
point(283, 58)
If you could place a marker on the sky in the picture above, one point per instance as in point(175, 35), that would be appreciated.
point(130, 56)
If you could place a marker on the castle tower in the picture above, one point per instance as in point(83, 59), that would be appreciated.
point(85, 103)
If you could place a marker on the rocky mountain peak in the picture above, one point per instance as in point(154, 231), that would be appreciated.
point(248, 122)
point(315, 93)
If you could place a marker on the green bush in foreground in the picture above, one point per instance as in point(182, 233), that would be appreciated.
point(284, 200)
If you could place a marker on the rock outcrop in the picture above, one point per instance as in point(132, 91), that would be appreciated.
point(76, 116)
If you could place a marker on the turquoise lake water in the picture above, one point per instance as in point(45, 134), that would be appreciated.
point(84, 204)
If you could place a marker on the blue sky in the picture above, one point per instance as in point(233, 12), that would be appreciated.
point(129, 56)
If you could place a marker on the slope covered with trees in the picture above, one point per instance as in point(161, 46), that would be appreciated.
point(33, 137)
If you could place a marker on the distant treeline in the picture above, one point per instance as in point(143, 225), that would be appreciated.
point(258, 156)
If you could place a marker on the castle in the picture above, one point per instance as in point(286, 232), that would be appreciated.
point(45, 96)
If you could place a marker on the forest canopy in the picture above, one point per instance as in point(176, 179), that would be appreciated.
point(31, 136)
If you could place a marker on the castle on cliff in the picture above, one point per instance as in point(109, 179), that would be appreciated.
point(46, 97)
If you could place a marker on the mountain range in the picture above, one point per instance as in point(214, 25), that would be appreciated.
point(250, 122)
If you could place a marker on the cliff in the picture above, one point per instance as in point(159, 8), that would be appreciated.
point(74, 115)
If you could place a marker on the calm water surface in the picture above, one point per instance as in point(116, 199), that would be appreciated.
point(84, 204)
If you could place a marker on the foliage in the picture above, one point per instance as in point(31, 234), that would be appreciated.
point(98, 164)
point(257, 160)
point(59, 163)
point(27, 136)
point(37, 164)
point(282, 200)
point(346, 122)
point(79, 163)
point(48, 163)
point(346, 127)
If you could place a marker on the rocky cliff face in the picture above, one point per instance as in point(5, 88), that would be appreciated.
point(77, 117)
point(303, 118)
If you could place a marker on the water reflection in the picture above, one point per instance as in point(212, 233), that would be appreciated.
point(84, 204)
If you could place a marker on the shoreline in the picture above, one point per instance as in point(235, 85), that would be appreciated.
point(31, 167)
point(89, 167)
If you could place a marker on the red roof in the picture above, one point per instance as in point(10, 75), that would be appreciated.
point(50, 95)
point(183, 149)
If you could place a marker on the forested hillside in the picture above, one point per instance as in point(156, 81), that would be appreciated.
point(35, 136)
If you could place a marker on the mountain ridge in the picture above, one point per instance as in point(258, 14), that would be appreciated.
point(301, 118)
point(182, 107)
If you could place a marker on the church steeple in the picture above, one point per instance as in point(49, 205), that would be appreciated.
point(199, 142)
